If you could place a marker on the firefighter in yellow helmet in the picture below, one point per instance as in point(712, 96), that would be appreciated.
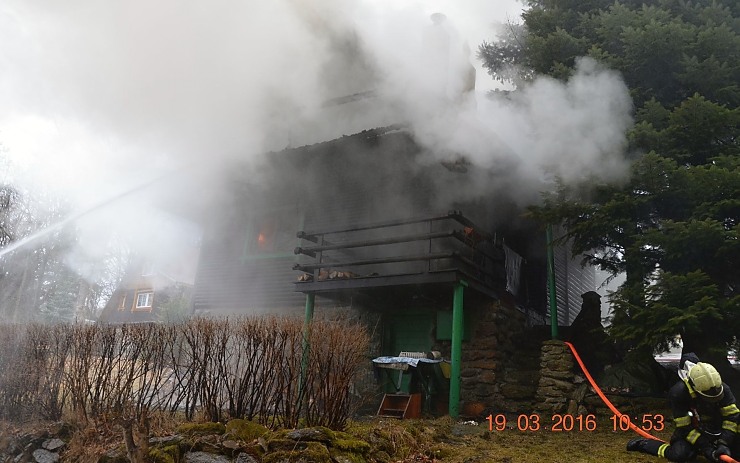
point(705, 414)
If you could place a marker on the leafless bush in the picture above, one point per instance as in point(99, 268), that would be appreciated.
point(140, 382)
point(13, 391)
point(279, 403)
point(47, 348)
point(122, 377)
point(262, 354)
point(32, 364)
point(83, 353)
point(338, 351)
point(210, 369)
point(240, 367)
point(199, 366)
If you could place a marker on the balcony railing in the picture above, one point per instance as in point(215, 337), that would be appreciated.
point(407, 251)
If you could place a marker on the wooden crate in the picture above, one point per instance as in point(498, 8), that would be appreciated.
point(400, 406)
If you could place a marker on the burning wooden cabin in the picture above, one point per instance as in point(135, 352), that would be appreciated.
point(368, 226)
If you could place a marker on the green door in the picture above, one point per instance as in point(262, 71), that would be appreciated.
point(407, 331)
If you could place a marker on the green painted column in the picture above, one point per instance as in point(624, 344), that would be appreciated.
point(551, 284)
point(457, 335)
point(310, 299)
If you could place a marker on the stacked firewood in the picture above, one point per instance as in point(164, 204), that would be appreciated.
point(328, 274)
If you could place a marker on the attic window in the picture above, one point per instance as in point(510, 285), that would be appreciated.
point(144, 300)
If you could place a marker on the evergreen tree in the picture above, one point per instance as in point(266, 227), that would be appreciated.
point(673, 227)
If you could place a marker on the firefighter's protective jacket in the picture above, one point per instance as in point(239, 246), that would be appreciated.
point(692, 414)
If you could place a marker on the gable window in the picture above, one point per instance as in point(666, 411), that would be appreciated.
point(122, 302)
point(144, 300)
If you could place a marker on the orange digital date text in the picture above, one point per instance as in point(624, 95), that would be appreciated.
point(533, 422)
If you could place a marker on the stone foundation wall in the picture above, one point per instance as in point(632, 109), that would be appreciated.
point(564, 389)
point(497, 371)
point(557, 378)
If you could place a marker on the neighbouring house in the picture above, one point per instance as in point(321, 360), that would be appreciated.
point(154, 292)
point(146, 299)
point(158, 262)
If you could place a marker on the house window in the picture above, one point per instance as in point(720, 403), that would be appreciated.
point(122, 302)
point(271, 234)
point(265, 236)
point(144, 300)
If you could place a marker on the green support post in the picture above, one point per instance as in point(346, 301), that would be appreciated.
point(551, 284)
point(457, 335)
point(310, 299)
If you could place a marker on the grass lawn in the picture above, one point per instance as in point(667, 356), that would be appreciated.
point(444, 440)
point(513, 446)
point(438, 440)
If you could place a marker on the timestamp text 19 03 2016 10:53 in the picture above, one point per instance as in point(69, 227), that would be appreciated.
point(573, 423)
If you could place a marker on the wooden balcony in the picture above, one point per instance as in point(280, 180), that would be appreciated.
point(433, 251)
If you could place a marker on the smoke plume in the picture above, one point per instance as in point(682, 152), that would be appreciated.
point(102, 100)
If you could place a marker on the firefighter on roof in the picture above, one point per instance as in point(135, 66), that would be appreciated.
point(705, 414)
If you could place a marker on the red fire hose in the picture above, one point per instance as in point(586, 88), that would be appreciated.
point(607, 402)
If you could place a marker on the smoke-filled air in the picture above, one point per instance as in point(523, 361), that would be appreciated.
point(103, 103)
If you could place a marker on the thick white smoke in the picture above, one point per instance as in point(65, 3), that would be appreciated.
point(100, 97)
point(572, 130)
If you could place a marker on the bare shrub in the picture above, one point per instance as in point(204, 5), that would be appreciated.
point(136, 376)
point(243, 367)
point(32, 371)
point(83, 353)
point(338, 350)
point(280, 403)
point(13, 391)
point(117, 375)
point(197, 359)
point(251, 381)
point(46, 355)
point(212, 369)
point(246, 383)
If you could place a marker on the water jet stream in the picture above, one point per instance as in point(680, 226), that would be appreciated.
point(72, 218)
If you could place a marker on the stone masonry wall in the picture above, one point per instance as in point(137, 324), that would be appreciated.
point(489, 380)
point(564, 389)
point(556, 383)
